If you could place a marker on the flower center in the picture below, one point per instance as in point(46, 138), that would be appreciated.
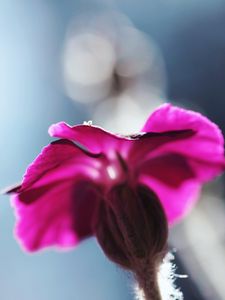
point(115, 169)
point(111, 172)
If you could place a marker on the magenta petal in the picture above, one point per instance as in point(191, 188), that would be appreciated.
point(46, 204)
point(176, 171)
point(93, 138)
point(174, 182)
point(59, 215)
point(58, 161)
point(45, 222)
point(204, 151)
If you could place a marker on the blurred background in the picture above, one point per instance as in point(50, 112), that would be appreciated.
point(112, 62)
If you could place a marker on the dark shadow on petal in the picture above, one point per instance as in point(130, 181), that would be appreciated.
point(85, 201)
point(31, 195)
point(11, 189)
point(151, 141)
point(77, 145)
point(171, 168)
point(174, 133)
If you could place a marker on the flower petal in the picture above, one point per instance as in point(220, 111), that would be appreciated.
point(58, 161)
point(174, 182)
point(93, 138)
point(204, 150)
point(60, 215)
point(51, 206)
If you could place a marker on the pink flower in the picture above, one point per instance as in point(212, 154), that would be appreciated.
point(173, 155)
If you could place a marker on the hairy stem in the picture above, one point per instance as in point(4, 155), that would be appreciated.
point(146, 277)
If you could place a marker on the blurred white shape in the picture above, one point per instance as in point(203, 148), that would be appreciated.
point(208, 250)
point(84, 54)
point(201, 243)
point(134, 53)
point(124, 114)
point(105, 55)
